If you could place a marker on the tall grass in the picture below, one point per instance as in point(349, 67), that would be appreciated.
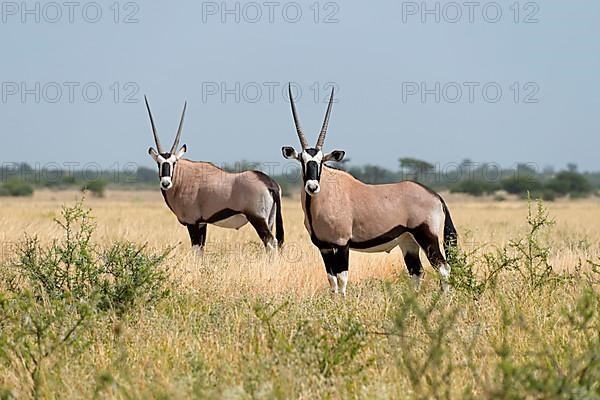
point(85, 319)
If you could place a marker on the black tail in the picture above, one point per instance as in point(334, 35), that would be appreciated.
point(279, 234)
point(450, 234)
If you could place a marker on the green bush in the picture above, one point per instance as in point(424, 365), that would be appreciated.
point(16, 188)
point(113, 279)
point(570, 183)
point(521, 185)
point(96, 187)
point(475, 187)
point(528, 257)
point(34, 331)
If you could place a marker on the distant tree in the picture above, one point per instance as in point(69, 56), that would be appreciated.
point(548, 170)
point(146, 175)
point(416, 169)
point(521, 184)
point(375, 174)
point(527, 170)
point(572, 167)
point(96, 187)
point(570, 183)
point(242, 166)
point(16, 188)
point(475, 187)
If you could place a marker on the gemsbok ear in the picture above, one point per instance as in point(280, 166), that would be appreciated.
point(153, 154)
point(289, 153)
point(182, 151)
point(336, 155)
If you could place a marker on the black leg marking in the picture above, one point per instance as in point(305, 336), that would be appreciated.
point(342, 259)
point(336, 264)
point(329, 259)
point(197, 234)
point(413, 264)
point(431, 245)
point(203, 229)
point(336, 259)
point(262, 229)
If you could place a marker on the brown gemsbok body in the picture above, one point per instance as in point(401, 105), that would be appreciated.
point(342, 213)
point(200, 193)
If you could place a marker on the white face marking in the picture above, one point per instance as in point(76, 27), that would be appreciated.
point(312, 186)
point(166, 182)
point(342, 279)
point(317, 157)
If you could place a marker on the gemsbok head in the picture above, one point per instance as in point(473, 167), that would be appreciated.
point(312, 158)
point(342, 213)
point(200, 193)
point(166, 160)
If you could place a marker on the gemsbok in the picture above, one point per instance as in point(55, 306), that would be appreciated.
point(200, 193)
point(343, 213)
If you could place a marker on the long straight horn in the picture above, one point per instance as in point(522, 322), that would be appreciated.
point(301, 136)
point(321, 140)
point(176, 143)
point(156, 140)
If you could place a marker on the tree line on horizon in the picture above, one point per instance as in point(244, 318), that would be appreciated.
point(475, 179)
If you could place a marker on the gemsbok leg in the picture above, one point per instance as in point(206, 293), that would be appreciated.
point(430, 243)
point(264, 233)
point(336, 261)
point(197, 235)
point(410, 250)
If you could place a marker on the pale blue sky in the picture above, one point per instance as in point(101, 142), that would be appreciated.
point(171, 54)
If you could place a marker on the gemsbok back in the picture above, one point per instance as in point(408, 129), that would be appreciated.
point(342, 213)
point(200, 193)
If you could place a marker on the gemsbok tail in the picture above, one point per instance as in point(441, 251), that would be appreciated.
point(450, 234)
point(279, 233)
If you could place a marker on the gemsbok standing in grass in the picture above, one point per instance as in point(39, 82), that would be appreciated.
point(342, 213)
point(200, 193)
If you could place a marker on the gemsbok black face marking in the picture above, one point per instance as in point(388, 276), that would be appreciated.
point(311, 158)
point(348, 214)
point(199, 193)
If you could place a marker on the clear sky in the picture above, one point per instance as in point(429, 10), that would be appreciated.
point(381, 56)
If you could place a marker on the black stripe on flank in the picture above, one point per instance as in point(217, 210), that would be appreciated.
point(385, 238)
point(219, 216)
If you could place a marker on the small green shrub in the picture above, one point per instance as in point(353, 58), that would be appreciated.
point(475, 187)
point(521, 185)
point(527, 256)
point(33, 331)
point(96, 187)
point(115, 278)
point(419, 340)
point(570, 183)
point(16, 188)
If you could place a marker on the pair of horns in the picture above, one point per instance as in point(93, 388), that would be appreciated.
point(156, 140)
point(301, 136)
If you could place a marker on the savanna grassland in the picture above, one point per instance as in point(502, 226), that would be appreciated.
point(119, 306)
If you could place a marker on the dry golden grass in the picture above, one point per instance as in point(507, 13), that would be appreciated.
point(207, 340)
point(142, 217)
